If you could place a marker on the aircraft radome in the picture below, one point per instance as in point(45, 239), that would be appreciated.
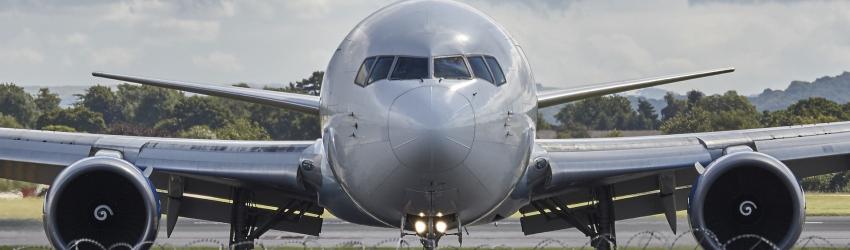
point(428, 113)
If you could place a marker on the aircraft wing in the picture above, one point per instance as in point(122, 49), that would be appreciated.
point(653, 174)
point(555, 97)
point(298, 102)
point(206, 171)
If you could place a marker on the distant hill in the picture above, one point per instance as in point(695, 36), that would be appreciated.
point(835, 88)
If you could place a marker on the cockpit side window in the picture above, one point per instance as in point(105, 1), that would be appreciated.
point(363, 73)
point(479, 68)
point(407, 68)
point(498, 75)
point(451, 67)
point(381, 69)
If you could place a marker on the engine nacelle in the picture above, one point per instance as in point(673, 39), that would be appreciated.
point(743, 197)
point(104, 200)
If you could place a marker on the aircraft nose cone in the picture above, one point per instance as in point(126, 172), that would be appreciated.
point(431, 128)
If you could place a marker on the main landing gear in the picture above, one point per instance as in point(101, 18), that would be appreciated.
point(598, 224)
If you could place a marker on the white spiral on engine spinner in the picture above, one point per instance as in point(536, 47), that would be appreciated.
point(102, 212)
point(746, 208)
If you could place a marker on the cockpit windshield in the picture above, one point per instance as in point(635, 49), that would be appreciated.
point(407, 68)
point(451, 67)
point(378, 68)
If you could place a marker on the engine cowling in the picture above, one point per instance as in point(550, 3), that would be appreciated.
point(743, 198)
point(101, 200)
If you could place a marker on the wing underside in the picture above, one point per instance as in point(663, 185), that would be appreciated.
point(207, 172)
point(650, 174)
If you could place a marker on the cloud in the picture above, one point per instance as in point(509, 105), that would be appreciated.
point(20, 56)
point(191, 29)
point(218, 61)
point(119, 57)
point(76, 39)
point(569, 42)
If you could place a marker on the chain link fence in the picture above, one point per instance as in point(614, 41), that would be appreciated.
point(642, 240)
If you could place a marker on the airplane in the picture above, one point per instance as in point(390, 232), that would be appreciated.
point(428, 111)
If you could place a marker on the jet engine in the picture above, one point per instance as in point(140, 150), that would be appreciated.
point(101, 202)
point(746, 199)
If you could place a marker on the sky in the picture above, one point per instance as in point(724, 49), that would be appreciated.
point(568, 43)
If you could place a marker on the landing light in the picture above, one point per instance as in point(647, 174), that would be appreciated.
point(419, 226)
point(441, 226)
point(439, 214)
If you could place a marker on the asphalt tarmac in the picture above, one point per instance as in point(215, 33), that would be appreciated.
point(819, 231)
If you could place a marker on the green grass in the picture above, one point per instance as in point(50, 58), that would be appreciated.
point(24, 209)
point(817, 204)
point(821, 204)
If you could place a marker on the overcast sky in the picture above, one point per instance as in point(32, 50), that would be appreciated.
point(569, 43)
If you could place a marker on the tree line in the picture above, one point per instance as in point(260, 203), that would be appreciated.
point(696, 113)
point(141, 110)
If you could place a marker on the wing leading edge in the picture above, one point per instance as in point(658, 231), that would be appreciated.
point(304, 103)
point(555, 97)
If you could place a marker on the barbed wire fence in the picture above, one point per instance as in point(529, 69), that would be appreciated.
point(642, 240)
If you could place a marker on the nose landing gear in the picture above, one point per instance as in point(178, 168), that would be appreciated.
point(430, 228)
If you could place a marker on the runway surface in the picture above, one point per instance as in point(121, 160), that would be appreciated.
point(821, 231)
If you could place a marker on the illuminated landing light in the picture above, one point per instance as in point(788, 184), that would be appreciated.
point(439, 214)
point(441, 226)
point(421, 214)
point(419, 226)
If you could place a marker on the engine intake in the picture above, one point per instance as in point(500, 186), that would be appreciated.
point(744, 198)
point(101, 199)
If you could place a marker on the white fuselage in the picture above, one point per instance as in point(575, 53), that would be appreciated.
point(428, 145)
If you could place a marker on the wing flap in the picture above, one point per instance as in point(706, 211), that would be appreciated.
point(220, 211)
point(627, 208)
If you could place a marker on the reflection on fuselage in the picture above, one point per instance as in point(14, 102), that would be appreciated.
point(428, 107)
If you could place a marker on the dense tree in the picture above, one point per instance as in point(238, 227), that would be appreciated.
point(674, 106)
point(59, 128)
point(80, 118)
point(7, 121)
point(242, 129)
point(136, 129)
point(729, 111)
point(599, 113)
point(694, 120)
point(198, 132)
point(17, 103)
point(694, 97)
point(807, 111)
point(647, 117)
point(198, 110)
point(311, 85)
point(146, 105)
point(542, 124)
point(102, 100)
point(46, 101)
point(286, 124)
